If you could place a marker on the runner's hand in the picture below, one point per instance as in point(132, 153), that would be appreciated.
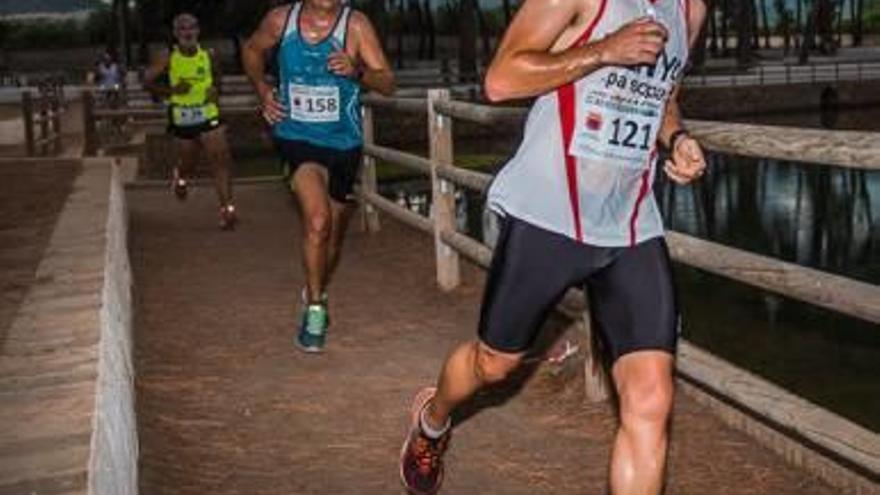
point(638, 42)
point(341, 64)
point(271, 108)
point(181, 88)
point(687, 162)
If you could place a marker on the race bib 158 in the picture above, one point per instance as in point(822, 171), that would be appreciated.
point(314, 103)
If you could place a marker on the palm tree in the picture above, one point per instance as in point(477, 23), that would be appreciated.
point(123, 40)
point(432, 33)
point(857, 22)
point(401, 26)
point(713, 28)
point(825, 15)
point(508, 12)
point(725, 11)
point(415, 9)
point(766, 23)
point(809, 37)
point(467, 39)
point(744, 28)
point(484, 30)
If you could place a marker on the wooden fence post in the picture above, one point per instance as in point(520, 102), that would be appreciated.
point(442, 191)
point(27, 114)
point(90, 147)
point(43, 104)
point(369, 215)
point(597, 385)
point(56, 108)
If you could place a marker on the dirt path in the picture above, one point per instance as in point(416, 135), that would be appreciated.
point(32, 195)
point(227, 406)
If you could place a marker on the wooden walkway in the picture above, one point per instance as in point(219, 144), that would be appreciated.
point(227, 406)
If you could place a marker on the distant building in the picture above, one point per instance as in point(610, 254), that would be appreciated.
point(47, 10)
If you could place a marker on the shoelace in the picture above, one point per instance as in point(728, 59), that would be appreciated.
point(315, 319)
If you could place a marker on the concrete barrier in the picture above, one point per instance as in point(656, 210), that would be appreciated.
point(66, 371)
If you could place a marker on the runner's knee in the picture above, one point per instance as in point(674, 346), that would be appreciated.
point(318, 225)
point(647, 399)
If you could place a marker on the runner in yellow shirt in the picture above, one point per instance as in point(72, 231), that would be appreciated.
point(194, 117)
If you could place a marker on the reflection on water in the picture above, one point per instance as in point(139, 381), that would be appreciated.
point(823, 217)
point(817, 216)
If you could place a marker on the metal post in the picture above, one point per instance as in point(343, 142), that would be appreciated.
point(443, 191)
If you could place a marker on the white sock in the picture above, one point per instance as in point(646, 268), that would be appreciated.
point(428, 430)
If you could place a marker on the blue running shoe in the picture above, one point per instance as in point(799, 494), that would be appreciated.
point(313, 330)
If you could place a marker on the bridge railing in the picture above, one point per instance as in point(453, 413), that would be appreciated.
point(841, 452)
point(782, 74)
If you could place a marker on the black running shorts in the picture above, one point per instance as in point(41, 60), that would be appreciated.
point(193, 131)
point(342, 165)
point(630, 289)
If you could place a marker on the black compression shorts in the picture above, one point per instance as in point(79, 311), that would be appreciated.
point(631, 294)
point(191, 132)
point(342, 165)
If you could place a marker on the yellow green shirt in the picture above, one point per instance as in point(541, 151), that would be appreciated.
point(192, 108)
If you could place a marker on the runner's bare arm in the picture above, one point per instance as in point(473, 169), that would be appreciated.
point(253, 58)
point(525, 64)
point(687, 161)
point(377, 74)
point(672, 116)
point(158, 65)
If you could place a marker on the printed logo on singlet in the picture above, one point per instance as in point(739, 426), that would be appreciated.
point(623, 109)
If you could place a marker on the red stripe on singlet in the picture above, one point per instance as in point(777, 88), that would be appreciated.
point(643, 191)
point(566, 99)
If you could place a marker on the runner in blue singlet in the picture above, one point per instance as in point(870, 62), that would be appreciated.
point(326, 53)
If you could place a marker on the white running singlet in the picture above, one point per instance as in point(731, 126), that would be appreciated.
point(586, 165)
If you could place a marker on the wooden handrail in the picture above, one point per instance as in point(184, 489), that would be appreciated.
point(844, 295)
point(408, 105)
point(396, 211)
point(397, 157)
point(477, 181)
point(855, 445)
point(852, 149)
point(103, 113)
point(841, 294)
point(482, 114)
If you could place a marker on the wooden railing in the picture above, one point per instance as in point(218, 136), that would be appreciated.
point(41, 115)
point(841, 452)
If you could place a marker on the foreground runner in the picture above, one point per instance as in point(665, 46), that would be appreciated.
point(325, 53)
point(579, 210)
point(193, 93)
